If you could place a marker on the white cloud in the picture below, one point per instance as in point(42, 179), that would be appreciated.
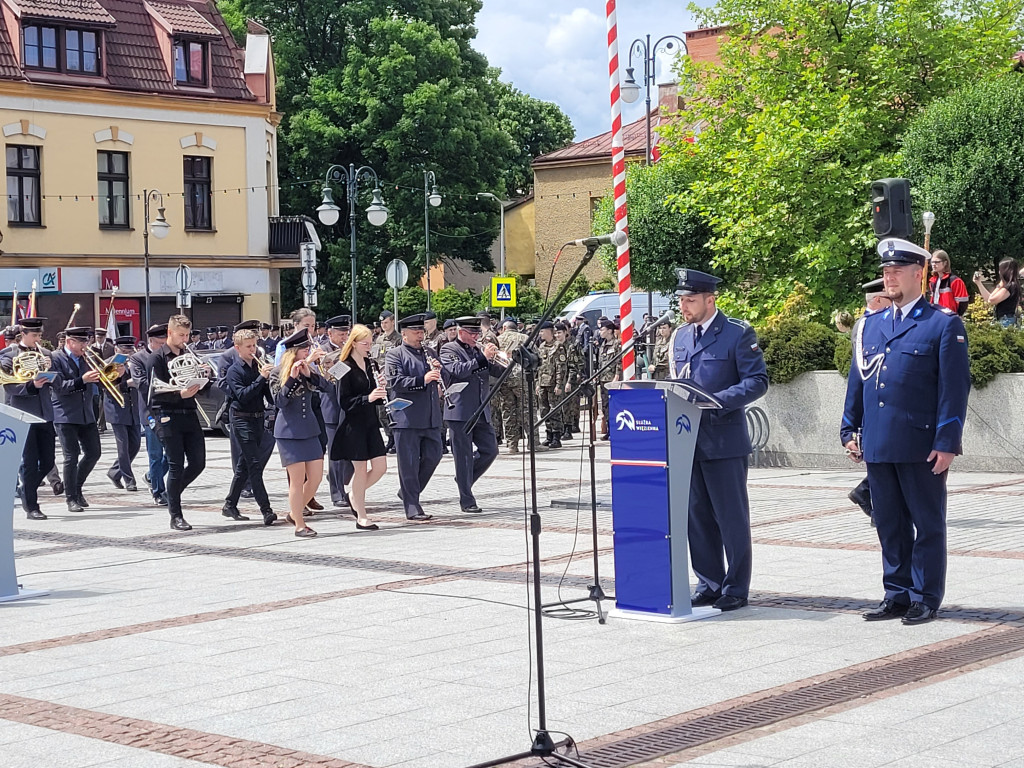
point(557, 50)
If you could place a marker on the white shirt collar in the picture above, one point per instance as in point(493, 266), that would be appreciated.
point(905, 308)
point(707, 323)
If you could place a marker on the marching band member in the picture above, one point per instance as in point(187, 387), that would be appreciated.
point(126, 423)
point(74, 415)
point(413, 376)
point(177, 420)
point(248, 391)
point(297, 428)
point(339, 472)
point(357, 438)
point(141, 365)
point(463, 360)
point(32, 397)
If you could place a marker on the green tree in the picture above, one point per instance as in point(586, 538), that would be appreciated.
point(805, 108)
point(963, 155)
point(662, 237)
point(450, 303)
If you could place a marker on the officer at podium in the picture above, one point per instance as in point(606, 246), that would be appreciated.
point(721, 355)
point(906, 400)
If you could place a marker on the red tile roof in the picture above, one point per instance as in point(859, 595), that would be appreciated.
point(133, 57)
point(86, 11)
point(634, 141)
point(184, 19)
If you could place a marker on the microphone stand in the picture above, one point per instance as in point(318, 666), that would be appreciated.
point(543, 745)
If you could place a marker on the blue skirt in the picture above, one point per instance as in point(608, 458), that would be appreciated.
point(298, 450)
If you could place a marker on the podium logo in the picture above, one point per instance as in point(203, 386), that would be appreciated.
point(626, 420)
point(683, 422)
point(8, 436)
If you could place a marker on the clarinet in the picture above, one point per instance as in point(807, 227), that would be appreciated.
point(381, 380)
point(435, 363)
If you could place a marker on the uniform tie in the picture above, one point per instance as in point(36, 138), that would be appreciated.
point(897, 319)
point(698, 331)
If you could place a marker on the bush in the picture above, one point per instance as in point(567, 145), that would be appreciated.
point(994, 350)
point(793, 346)
point(843, 356)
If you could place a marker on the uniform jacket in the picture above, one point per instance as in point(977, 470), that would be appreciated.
point(129, 413)
point(330, 408)
point(140, 366)
point(27, 397)
point(464, 363)
point(296, 418)
point(914, 399)
point(72, 397)
point(248, 391)
point(727, 363)
point(405, 369)
point(606, 352)
point(554, 365)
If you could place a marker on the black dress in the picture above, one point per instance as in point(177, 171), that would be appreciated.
point(358, 437)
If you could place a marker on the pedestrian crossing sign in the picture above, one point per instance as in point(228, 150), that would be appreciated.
point(503, 291)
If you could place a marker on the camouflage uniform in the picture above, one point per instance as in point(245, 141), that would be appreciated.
point(551, 378)
point(571, 410)
point(660, 362)
point(380, 347)
point(606, 352)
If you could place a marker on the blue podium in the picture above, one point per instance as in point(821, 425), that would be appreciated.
point(14, 426)
point(653, 427)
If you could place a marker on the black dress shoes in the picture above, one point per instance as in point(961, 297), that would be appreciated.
point(230, 510)
point(729, 602)
point(131, 486)
point(58, 488)
point(473, 508)
point(269, 516)
point(370, 527)
point(919, 613)
point(421, 517)
point(160, 499)
point(35, 514)
point(698, 599)
point(82, 502)
point(246, 493)
point(74, 506)
point(887, 609)
point(116, 480)
point(179, 524)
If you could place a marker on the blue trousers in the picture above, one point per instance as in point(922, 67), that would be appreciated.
point(910, 517)
point(719, 526)
point(419, 453)
point(470, 466)
point(157, 461)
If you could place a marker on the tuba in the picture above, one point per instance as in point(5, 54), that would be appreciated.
point(109, 374)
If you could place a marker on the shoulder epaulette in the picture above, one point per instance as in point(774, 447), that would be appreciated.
point(738, 321)
point(947, 311)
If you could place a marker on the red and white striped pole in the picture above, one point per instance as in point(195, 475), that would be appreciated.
point(619, 174)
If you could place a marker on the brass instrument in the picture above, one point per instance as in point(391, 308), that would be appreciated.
point(109, 374)
point(25, 366)
point(502, 358)
point(185, 368)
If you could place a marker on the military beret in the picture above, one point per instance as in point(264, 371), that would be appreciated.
point(386, 314)
point(604, 322)
point(547, 324)
point(448, 324)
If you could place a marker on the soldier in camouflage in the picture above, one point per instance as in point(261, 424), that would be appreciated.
point(552, 377)
point(608, 350)
point(659, 366)
point(574, 365)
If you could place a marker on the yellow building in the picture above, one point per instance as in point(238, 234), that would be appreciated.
point(103, 105)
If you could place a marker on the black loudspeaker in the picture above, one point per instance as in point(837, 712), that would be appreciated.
point(890, 208)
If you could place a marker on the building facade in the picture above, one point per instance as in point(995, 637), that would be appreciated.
point(110, 109)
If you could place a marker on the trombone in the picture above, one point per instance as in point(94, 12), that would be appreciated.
point(109, 374)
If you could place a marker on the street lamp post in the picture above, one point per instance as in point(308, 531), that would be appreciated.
point(329, 212)
point(501, 237)
point(630, 93)
point(431, 198)
point(160, 228)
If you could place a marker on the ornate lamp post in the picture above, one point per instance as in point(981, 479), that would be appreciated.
point(431, 198)
point(160, 228)
point(328, 212)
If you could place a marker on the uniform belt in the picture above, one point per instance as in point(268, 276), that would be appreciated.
point(248, 414)
point(172, 411)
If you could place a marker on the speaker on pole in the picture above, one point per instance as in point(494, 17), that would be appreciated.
point(890, 208)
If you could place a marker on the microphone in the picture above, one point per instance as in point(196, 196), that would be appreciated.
point(667, 317)
point(616, 238)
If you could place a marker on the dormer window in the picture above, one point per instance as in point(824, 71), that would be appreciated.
point(189, 62)
point(62, 49)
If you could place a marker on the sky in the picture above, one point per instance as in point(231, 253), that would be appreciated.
point(556, 50)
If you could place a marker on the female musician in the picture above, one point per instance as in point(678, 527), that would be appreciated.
point(297, 429)
point(358, 437)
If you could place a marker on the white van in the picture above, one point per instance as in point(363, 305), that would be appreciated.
point(598, 303)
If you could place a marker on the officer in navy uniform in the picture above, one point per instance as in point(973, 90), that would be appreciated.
point(140, 365)
point(906, 401)
point(464, 361)
point(32, 397)
point(74, 415)
point(339, 471)
point(417, 429)
point(125, 421)
point(721, 355)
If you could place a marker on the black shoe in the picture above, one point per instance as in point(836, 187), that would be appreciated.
point(604, 436)
point(862, 500)
point(445, 450)
point(230, 510)
point(74, 506)
point(131, 486)
point(919, 613)
point(729, 602)
point(246, 493)
point(555, 443)
point(887, 609)
point(473, 508)
point(147, 479)
point(342, 504)
point(698, 599)
point(421, 517)
point(160, 499)
point(116, 480)
point(269, 517)
point(392, 451)
point(179, 524)
point(35, 514)
point(566, 435)
point(390, 446)
point(314, 506)
point(82, 502)
point(370, 527)
point(58, 488)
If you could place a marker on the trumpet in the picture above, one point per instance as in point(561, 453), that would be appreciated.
point(109, 374)
point(25, 366)
point(502, 358)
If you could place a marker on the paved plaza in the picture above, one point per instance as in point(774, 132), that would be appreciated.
point(239, 645)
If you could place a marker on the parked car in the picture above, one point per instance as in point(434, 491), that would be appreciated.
point(598, 303)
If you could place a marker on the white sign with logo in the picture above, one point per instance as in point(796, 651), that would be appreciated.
point(47, 280)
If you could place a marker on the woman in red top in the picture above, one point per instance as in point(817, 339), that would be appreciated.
point(945, 289)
